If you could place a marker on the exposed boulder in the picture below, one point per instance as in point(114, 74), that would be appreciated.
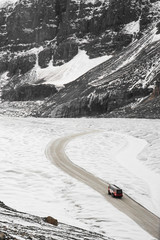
point(51, 220)
point(2, 236)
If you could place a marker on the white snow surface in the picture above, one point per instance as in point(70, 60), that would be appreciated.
point(93, 1)
point(123, 151)
point(156, 38)
point(88, 1)
point(69, 71)
point(3, 3)
point(132, 27)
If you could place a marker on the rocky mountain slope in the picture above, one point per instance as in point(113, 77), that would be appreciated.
point(16, 225)
point(35, 34)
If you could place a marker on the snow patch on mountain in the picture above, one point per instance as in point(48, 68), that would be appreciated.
point(156, 38)
point(87, 1)
point(69, 71)
point(132, 27)
point(93, 1)
point(4, 3)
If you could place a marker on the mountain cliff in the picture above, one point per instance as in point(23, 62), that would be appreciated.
point(37, 34)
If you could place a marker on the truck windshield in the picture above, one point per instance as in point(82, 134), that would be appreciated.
point(119, 191)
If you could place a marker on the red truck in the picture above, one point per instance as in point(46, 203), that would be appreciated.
point(115, 191)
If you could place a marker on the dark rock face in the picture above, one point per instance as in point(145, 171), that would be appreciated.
point(152, 1)
point(29, 92)
point(149, 109)
point(123, 12)
point(4, 63)
point(17, 64)
point(21, 64)
point(41, 32)
point(44, 57)
point(158, 28)
point(65, 52)
point(61, 25)
point(32, 22)
point(98, 104)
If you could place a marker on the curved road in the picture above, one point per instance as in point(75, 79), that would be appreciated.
point(55, 152)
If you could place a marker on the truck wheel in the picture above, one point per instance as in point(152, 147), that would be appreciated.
point(109, 193)
point(112, 195)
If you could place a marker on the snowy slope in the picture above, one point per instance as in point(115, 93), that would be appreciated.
point(132, 27)
point(93, 1)
point(60, 75)
point(70, 71)
point(30, 183)
point(3, 3)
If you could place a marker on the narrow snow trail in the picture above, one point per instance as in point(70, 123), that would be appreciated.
point(55, 151)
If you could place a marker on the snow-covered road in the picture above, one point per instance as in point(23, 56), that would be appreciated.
point(55, 151)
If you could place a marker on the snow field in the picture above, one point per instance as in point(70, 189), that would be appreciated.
point(69, 71)
point(3, 3)
point(30, 183)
